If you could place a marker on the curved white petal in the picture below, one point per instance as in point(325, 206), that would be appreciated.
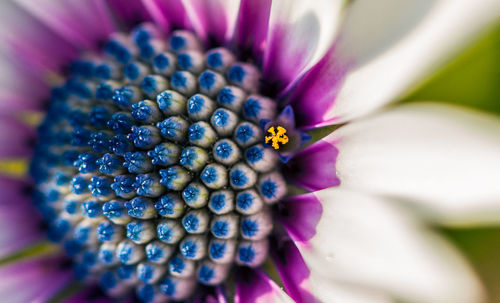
point(299, 33)
point(372, 243)
point(443, 158)
point(391, 45)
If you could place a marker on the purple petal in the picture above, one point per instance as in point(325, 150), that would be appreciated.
point(316, 91)
point(212, 20)
point(293, 271)
point(35, 280)
point(299, 33)
point(132, 11)
point(299, 215)
point(168, 14)
point(30, 47)
point(15, 138)
point(15, 207)
point(254, 286)
point(79, 22)
point(313, 168)
point(251, 27)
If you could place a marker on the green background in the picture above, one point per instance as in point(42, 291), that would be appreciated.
point(473, 80)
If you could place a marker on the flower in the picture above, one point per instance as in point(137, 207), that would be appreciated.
point(138, 169)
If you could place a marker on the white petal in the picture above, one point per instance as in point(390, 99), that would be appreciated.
point(369, 242)
point(299, 34)
point(443, 158)
point(392, 45)
point(329, 291)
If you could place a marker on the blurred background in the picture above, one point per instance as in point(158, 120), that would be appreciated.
point(473, 79)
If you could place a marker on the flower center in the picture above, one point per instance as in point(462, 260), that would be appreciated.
point(151, 168)
point(277, 136)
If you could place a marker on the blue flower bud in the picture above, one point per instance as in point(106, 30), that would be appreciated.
point(248, 202)
point(241, 176)
point(182, 40)
point(140, 232)
point(183, 82)
point(224, 121)
point(214, 176)
point(211, 83)
point(164, 64)
point(193, 247)
point(129, 253)
point(201, 134)
point(200, 107)
point(244, 75)
point(191, 61)
point(221, 202)
point(173, 128)
point(181, 267)
point(252, 253)
point(141, 208)
point(158, 252)
point(146, 111)
point(225, 227)
point(232, 97)
point(196, 221)
point(153, 85)
point(171, 102)
point(219, 59)
point(170, 206)
point(170, 231)
point(226, 152)
point(135, 72)
point(195, 195)
point(256, 227)
point(174, 178)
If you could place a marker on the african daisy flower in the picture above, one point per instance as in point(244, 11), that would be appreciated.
point(173, 158)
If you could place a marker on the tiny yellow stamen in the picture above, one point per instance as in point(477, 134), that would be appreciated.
point(277, 137)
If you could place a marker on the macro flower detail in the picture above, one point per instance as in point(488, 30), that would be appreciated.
point(180, 153)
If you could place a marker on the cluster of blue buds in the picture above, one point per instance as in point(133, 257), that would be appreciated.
point(151, 167)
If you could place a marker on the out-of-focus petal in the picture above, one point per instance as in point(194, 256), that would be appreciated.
point(28, 50)
point(34, 280)
point(133, 11)
point(83, 23)
point(299, 34)
point(293, 271)
point(251, 28)
point(326, 290)
point(440, 157)
point(254, 286)
point(390, 47)
point(89, 295)
point(15, 138)
point(313, 168)
point(212, 20)
point(300, 215)
point(29, 41)
point(168, 14)
point(15, 207)
point(376, 244)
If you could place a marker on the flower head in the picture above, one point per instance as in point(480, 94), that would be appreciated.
point(167, 157)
